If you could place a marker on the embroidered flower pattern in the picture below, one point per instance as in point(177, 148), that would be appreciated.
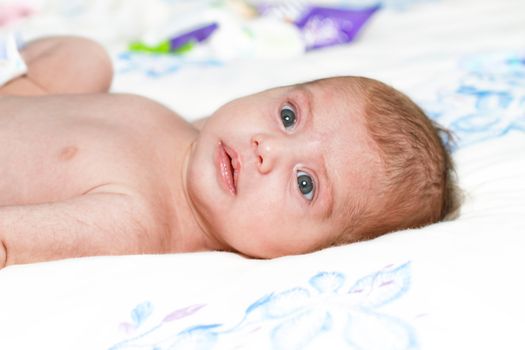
point(487, 102)
point(299, 317)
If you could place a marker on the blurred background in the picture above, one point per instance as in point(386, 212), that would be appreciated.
point(177, 50)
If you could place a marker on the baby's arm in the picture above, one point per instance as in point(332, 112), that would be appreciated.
point(61, 65)
point(94, 224)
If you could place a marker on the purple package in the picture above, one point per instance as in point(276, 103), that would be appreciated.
point(325, 26)
point(199, 34)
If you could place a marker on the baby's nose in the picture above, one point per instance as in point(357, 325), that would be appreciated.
point(265, 151)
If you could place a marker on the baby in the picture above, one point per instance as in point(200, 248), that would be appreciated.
point(285, 171)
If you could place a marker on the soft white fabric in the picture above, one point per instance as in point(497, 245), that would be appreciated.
point(12, 64)
point(452, 285)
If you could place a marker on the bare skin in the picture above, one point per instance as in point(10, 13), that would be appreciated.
point(62, 65)
point(85, 172)
point(83, 176)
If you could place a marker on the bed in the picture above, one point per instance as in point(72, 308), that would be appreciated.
point(451, 285)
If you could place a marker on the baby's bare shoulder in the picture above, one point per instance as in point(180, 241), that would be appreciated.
point(84, 102)
point(131, 101)
point(115, 110)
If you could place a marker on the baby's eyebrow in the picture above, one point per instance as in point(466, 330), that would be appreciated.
point(308, 97)
point(328, 188)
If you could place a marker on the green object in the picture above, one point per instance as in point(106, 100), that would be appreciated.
point(163, 47)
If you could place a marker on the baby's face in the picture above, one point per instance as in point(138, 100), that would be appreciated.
point(278, 172)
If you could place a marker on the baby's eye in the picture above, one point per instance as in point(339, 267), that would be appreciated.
point(306, 185)
point(288, 116)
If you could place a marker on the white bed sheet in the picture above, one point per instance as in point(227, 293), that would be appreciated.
point(452, 285)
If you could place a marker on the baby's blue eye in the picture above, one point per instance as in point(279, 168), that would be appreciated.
point(288, 116)
point(306, 185)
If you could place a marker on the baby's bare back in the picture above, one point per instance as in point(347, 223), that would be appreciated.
point(75, 150)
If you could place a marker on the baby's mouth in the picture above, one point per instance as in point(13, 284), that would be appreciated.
point(228, 167)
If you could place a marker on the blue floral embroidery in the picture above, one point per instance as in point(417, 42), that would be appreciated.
point(158, 66)
point(295, 318)
point(487, 102)
point(138, 315)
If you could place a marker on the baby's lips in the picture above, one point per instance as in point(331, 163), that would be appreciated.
point(235, 162)
point(234, 157)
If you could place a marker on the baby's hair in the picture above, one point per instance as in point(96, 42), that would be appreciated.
point(420, 186)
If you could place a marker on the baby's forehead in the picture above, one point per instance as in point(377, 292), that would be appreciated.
point(355, 161)
point(328, 93)
point(351, 158)
point(340, 93)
